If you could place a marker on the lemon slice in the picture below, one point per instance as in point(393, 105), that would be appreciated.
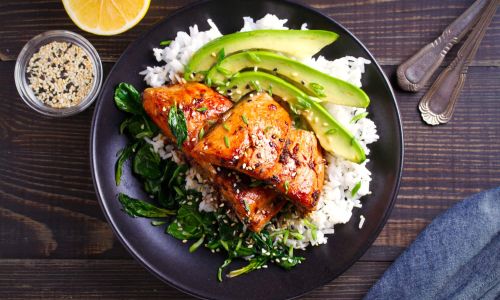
point(106, 17)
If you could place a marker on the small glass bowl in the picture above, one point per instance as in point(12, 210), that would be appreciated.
point(22, 83)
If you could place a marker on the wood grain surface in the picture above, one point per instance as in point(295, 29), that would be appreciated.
point(54, 240)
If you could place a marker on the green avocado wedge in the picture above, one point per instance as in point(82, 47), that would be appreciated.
point(297, 43)
point(313, 82)
point(332, 136)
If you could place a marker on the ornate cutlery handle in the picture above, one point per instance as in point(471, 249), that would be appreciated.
point(416, 71)
point(438, 104)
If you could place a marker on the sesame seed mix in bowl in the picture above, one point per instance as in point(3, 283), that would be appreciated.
point(60, 74)
point(258, 152)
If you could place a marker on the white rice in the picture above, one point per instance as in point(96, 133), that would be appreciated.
point(336, 202)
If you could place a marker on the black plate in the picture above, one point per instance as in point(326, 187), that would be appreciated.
point(195, 273)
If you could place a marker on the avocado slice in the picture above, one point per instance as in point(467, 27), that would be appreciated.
point(312, 81)
point(297, 43)
point(332, 136)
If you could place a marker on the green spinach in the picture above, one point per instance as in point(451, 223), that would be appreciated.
point(146, 162)
point(138, 208)
point(128, 99)
point(123, 156)
point(178, 207)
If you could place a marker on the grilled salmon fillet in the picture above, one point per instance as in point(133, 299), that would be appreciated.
point(300, 171)
point(249, 138)
point(254, 206)
point(256, 138)
point(202, 107)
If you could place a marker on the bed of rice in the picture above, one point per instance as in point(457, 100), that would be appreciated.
point(336, 201)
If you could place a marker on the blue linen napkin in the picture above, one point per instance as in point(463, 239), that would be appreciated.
point(456, 257)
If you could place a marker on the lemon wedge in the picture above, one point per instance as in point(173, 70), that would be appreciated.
point(106, 17)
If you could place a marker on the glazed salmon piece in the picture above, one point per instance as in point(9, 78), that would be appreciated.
point(249, 138)
point(300, 171)
point(254, 206)
point(255, 138)
point(202, 106)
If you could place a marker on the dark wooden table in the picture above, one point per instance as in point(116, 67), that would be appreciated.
point(54, 240)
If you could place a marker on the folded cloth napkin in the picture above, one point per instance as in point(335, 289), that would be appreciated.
point(456, 257)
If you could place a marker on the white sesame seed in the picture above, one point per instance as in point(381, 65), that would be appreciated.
point(361, 221)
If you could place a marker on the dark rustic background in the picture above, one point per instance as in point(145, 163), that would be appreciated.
point(54, 241)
